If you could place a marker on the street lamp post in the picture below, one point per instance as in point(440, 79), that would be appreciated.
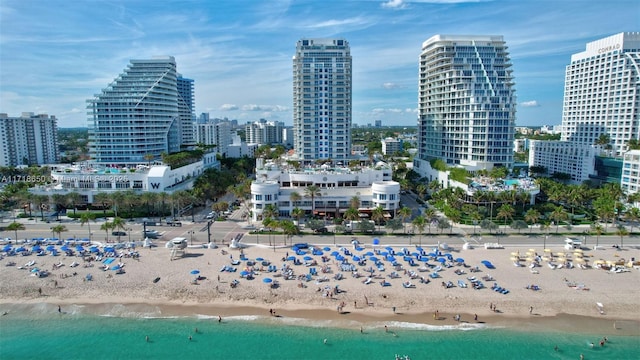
point(334, 236)
point(52, 233)
point(209, 232)
point(129, 232)
point(191, 234)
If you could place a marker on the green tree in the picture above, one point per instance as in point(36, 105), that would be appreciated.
point(532, 216)
point(86, 218)
point(15, 226)
point(352, 214)
point(106, 227)
point(506, 212)
point(598, 230)
point(59, 229)
point(297, 213)
point(393, 224)
point(419, 223)
point(73, 199)
point(118, 224)
point(377, 215)
point(312, 191)
point(404, 213)
point(559, 214)
point(622, 232)
point(519, 225)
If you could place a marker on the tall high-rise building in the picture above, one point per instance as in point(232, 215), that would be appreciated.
point(602, 93)
point(147, 110)
point(322, 99)
point(28, 140)
point(467, 102)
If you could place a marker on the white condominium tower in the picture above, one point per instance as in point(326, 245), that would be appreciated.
point(147, 110)
point(322, 99)
point(602, 92)
point(467, 103)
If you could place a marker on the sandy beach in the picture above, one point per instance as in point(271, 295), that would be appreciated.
point(565, 298)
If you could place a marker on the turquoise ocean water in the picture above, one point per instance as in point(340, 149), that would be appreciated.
point(42, 333)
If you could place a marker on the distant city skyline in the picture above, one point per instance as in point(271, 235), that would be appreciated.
point(55, 55)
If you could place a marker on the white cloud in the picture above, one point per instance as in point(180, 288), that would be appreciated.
point(394, 4)
point(228, 107)
point(532, 103)
point(268, 108)
point(390, 85)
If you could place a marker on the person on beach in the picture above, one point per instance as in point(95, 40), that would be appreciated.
point(146, 338)
point(530, 310)
point(219, 318)
point(59, 309)
point(195, 330)
point(324, 341)
point(475, 317)
point(190, 338)
point(386, 329)
point(361, 331)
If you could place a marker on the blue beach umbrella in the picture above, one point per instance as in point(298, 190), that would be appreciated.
point(339, 257)
point(368, 253)
point(308, 258)
point(419, 248)
point(6, 248)
point(259, 259)
point(335, 253)
point(21, 249)
point(326, 248)
point(376, 241)
point(373, 258)
point(94, 249)
point(195, 272)
point(244, 273)
point(267, 280)
point(115, 267)
point(356, 258)
point(460, 260)
point(291, 258)
point(50, 248)
point(389, 248)
point(442, 260)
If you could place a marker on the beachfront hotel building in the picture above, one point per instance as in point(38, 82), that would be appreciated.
point(630, 180)
point(575, 160)
point(275, 184)
point(214, 132)
point(90, 178)
point(28, 140)
point(322, 99)
point(467, 102)
point(602, 93)
point(146, 110)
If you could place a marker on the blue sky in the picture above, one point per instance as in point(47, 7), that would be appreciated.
point(54, 55)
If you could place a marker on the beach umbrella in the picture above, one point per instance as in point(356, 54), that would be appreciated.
point(259, 259)
point(376, 241)
point(326, 248)
point(94, 249)
point(195, 272)
point(307, 258)
point(294, 248)
point(115, 267)
point(266, 263)
point(267, 280)
point(356, 258)
point(373, 258)
point(419, 248)
point(244, 273)
point(460, 260)
point(339, 257)
point(21, 249)
point(390, 258)
point(36, 248)
point(291, 258)
point(424, 259)
point(368, 253)
point(442, 260)
point(334, 253)
point(50, 248)
point(389, 248)
point(383, 253)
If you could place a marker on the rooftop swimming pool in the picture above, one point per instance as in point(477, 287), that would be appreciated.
point(512, 182)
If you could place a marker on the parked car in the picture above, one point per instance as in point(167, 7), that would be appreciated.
point(321, 230)
point(151, 234)
point(119, 233)
point(173, 222)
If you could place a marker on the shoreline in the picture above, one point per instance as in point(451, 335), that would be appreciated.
point(322, 317)
point(158, 285)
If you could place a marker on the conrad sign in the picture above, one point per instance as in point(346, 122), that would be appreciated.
point(608, 48)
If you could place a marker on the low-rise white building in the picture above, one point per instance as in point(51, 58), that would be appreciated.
point(274, 185)
point(390, 146)
point(88, 179)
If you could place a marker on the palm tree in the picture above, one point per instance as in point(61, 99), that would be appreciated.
point(104, 200)
point(352, 214)
point(73, 199)
point(312, 191)
point(118, 224)
point(632, 216)
point(15, 226)
point(599, 230)
point(404, 214)
point(428, 216)
point(295, 198)
point(59, 229)
point(86, 218)
point(270, 211)
point(297, 213)
point(622, 232)
point(106, 227)
point(59, 202)
point(559, 214)
point(377, 215)
point(354, 202)
point(117, 198)
point(419, 223)
point(532, 216)
point(506, 212)
point(421, 189)
point(149, 157)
